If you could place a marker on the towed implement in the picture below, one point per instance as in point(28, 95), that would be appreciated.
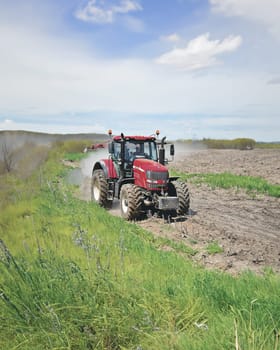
point(136, 174)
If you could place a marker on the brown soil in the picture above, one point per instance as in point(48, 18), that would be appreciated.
point(247, 228)
point(257, 162)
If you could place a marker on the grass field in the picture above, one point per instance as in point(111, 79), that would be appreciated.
point(239, 143)
point(251, 184)
point(74, 277)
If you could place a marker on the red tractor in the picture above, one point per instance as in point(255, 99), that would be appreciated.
point(135, 173)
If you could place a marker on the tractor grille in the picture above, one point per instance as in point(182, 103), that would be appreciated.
point(157, 175)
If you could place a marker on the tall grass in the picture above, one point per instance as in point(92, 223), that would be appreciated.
point(74, 277)
point(74, 157)
point(228, 180)
point(239, 143)
point(268, 145)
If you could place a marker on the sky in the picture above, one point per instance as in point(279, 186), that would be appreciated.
point(191, 68)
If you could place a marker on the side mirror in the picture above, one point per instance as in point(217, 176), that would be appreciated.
point(172, 150)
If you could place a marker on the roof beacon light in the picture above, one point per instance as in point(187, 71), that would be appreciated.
point(157, 133)
point(110, 132)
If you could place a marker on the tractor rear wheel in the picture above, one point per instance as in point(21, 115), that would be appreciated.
point(131, 202)
point(182, 192)
point(99, 189)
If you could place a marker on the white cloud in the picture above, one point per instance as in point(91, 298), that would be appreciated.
point(127, 6)
point(55, 128)
point(96, 12)
point(171, 38)
point(7, 122)
point(200, 52)
point(134, 24)
point(92, 13)
point(274, 81)
point(263, 11)
point(44, 76)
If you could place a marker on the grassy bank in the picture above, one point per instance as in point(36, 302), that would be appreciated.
point(74, 277)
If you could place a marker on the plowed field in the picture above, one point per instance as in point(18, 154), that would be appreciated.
point(246, 227)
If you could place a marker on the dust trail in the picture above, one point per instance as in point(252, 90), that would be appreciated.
point(182, 150)
point(86, 166)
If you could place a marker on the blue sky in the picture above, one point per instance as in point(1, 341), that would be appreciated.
point(191, 68)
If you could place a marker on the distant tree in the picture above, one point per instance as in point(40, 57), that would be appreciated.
point(8, 157)
point(245, 143)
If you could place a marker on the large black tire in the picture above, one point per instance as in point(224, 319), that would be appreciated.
point(99, 189)
point(131, 202)
point(180, 189)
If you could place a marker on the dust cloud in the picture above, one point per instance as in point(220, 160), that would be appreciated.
point(82, 176)
point(85, 173)
point(184, 149)
point(87, 164)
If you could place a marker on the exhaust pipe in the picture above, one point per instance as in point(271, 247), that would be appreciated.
point(122, 155)
point(162, 151)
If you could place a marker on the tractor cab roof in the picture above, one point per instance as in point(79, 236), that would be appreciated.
point(134, 138)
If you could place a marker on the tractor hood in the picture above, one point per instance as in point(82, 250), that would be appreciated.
point(150, 174)
point(144, 165)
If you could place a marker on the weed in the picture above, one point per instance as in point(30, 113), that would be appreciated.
point(214, 248)
point(74, 157)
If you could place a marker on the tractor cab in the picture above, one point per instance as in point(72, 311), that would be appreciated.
point(125, 150)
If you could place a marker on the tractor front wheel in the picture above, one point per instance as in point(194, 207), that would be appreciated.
point(131, 202)
point(180, 189)
point(99, 189)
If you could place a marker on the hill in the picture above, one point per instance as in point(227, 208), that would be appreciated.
point(21, 148)
point(15, 139)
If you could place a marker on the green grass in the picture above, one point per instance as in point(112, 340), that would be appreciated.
point(214, 248)
point(268, 145)
point(239, 143)
point(74, 157)
point(228, 180)
point(74, 277)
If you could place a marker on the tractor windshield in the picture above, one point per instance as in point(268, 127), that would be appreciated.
point(135, 149)
point(140, 149)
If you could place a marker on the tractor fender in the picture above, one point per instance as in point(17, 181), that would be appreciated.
point(173, 178)
point(107, 166)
